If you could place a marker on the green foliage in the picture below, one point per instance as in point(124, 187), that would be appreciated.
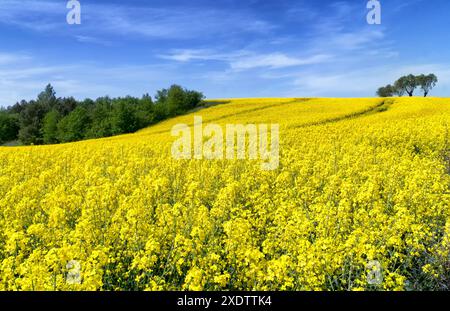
point(30, 135)
point(47, 98)
point(66, 105)
point(175, 100)
point(50, 120)
point(408, 84)
point(124, 118)
point(74, 126)
point(427, 83)
point(9, 127)
point(145, 112)
point(386, 91)
point(101, 116)
point(399, 91)
point(30, 120)
point(50, 127)
point(178, 100)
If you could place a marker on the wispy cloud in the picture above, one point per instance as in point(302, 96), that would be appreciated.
point(276, 61)
point(10, 58)
point(187, 55)
point(249, 48)
point(246, 60)
point(181, 23)
point(176, 22)
point(400, 5)
point(356, 39)
point(34, 15)
point(89, 39)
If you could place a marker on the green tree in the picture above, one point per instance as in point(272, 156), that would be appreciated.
point(398, 91)
point(145, 113)
point(66, 105)
point(427, 83)
point(386, 91)
point(161, 96)
point(407, 84)
point(159, 112)
point(124, 118)
point(101, 118)
point(30, 135)
point(50, 119)
point(30, 119)
point(18, 107)
point(50, 127)
point(47, 99)
point(178, 100)
point(74, 126)
point(9, 127)
point(194, 99)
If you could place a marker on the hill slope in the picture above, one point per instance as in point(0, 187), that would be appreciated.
point(360, 182)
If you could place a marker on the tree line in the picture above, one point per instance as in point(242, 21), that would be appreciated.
point(408, 84)
point(52, 120)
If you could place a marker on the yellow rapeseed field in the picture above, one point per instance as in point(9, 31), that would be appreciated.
point(362, 185)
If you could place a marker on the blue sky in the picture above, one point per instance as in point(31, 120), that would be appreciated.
point(225, 48)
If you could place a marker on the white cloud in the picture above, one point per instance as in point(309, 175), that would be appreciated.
point(276, 60)
point(246, 60)
point(176, 22)
point(10, 58)
point(400, 5)
point(89, 39)
point(356, 39)
point(188, 55)
point(34, 15)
